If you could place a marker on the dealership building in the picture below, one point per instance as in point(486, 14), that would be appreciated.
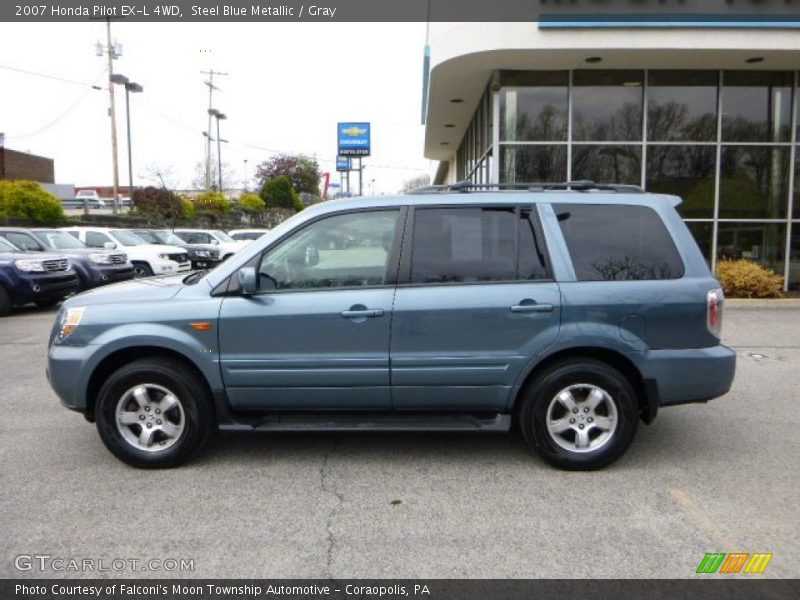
point(707, 113)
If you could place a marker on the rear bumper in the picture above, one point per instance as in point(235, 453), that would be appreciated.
point(690, 375)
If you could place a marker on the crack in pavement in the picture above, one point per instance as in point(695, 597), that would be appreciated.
point(323, 476)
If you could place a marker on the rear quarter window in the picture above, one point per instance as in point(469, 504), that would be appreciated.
point(611, 242)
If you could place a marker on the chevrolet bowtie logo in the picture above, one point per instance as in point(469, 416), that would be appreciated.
point(354, 131)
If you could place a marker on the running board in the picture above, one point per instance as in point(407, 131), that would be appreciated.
point(298, 422)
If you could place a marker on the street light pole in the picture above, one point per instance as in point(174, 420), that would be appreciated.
point(110, 49)
point(219, 116)
point(245, 175)
point(130, 88)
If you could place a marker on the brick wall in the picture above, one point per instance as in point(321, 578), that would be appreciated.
point(19, 165)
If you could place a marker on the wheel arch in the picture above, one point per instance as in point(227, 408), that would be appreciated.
point(122, 356)
point(646, 391)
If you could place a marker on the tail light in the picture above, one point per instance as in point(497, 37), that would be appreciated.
point(715, 299)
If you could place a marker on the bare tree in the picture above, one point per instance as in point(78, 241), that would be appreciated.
point(199, 180)
point(416, 182)
point(160, 175)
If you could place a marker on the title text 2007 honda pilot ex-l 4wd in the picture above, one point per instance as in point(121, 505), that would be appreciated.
point(574, 311)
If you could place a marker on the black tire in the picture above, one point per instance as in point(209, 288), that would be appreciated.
point(5, 302)
point(195, 404)
point(141, 269)
point(579, 376)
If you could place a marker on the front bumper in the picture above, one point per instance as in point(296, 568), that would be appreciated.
point(102, 275)
point(169, 267)
point(204, 263)
point(689, 375)
point(64, 366)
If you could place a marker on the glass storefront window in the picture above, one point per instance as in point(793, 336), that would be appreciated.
point(545, 163)
point(794, 257)
point(537, 112)
point(763, 243)
point(607, 164)
point(607, 105)
point(703, 232)
point(685, 171)
point(682, 105)
point(756, 106)
point(753, 182)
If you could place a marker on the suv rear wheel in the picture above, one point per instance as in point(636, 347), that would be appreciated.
point(153, 413)
point(579, 414)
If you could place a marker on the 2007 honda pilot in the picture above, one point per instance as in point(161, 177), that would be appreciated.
point(572, 310)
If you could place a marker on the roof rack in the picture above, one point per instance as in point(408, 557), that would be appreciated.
point(583, 185)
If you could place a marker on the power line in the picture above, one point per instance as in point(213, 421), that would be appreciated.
point(47, 76)
point(193, 129)
point(71, 107)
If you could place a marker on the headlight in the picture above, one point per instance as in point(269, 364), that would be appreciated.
point(202, 253)
point(100, 259)
point(29, 265)
point(70, 321)
point(163, 256)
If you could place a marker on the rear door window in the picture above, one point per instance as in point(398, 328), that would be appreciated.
point(611, 242)
point(476, 244)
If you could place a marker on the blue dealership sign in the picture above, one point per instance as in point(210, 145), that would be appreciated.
point(342, 163)
point(353, 139)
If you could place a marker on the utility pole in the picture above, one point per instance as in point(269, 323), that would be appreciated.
point(111, 56)
point(211, 88)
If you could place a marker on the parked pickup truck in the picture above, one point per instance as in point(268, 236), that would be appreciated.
point(26, 277)
point(94, 267)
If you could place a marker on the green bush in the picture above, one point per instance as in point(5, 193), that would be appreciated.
point(279, 193)
point(747, 279)
point(28, 200)
point(188, 209)
point(213, 202)
point(251, 203)
point(158, 202)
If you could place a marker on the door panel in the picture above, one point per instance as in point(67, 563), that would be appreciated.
point(297, 351)
point(317, 335)
point(462, 346)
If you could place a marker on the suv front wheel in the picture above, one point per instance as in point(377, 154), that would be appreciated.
point(579, 414)
point(153, 413)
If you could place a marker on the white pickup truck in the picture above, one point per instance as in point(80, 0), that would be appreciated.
point(147, 259)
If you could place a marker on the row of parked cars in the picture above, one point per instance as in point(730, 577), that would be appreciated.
point(44, 266)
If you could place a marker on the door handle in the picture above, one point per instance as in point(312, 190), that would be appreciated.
point(530, 306)
point(361, 313)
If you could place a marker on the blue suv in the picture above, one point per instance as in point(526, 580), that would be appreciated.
point(33, 277)
point(573, 311)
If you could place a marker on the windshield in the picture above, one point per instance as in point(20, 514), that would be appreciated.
point(6, 246)
point(126, 238)
point(222, 236)
point(151, 237)
point(61, 241)
point(167, 237)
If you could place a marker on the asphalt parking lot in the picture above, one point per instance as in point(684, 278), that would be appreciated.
point(721, 477)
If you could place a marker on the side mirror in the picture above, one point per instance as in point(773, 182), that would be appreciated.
point(215, 242)
point(109, 245)
point(248, 281)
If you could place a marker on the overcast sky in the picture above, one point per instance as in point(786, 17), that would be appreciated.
point(288, 85)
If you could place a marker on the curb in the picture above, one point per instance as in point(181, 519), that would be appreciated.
point(778, 303)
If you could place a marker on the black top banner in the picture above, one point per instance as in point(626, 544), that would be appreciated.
point(569, 13)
